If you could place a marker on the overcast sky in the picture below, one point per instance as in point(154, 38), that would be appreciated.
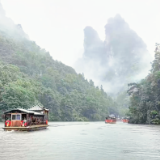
point(57, 25)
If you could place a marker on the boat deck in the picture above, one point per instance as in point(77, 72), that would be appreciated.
point(29, 128)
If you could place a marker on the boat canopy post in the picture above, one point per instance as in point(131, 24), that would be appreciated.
point(4, 120)
point(47, 115)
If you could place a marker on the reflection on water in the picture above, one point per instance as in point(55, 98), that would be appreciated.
point(82, 141)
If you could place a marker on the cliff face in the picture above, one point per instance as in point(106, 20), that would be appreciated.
point(117, 60)
point(93, 46)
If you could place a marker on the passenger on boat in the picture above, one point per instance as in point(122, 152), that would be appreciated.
point(8, 122)
point(24, 122)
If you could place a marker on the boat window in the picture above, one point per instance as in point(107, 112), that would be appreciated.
point(13, 117)
point(16, 117)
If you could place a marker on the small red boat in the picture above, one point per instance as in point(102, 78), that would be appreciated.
point(110, 119)
point(125, 120)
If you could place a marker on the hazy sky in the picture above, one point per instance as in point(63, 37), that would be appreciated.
point(57, 25)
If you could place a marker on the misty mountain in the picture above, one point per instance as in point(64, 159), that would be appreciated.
point(29, 76)
point(122, 57)
point(8, 27)
point(93, 46)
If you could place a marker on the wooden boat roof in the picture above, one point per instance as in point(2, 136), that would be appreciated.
point(24, 111)
point(37, 108)
point(112, 116)
point(18, 109)
point(38, 114)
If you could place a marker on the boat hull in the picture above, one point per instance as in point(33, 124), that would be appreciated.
point(29, 128)
point(110, 121)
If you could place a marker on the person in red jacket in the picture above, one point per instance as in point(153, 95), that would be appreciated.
point(8, 123)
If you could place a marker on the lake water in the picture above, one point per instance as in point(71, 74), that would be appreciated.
point(82, 141)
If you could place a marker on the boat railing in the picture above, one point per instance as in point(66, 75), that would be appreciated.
point(36, 123)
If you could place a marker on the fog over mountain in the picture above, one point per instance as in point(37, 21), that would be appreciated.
point(121, 58)
point(8, 26)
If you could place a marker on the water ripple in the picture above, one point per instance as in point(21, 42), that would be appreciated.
point(83, 141)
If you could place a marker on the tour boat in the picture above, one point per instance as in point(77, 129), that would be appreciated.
point(110, 119)
point(18, 119)
point(125, 120)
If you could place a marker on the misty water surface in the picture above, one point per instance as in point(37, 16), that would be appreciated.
point(83, 141)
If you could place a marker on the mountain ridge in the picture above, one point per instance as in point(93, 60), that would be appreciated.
point(29, 75)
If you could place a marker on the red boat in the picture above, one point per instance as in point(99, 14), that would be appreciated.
point(19, 119)
point(110, 119)
point(125, 120)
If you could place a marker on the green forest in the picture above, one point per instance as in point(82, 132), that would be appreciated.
point(29, 76)
point(145, 96)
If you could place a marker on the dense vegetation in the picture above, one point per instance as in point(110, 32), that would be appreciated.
point(145, 96)
point(29, 76)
